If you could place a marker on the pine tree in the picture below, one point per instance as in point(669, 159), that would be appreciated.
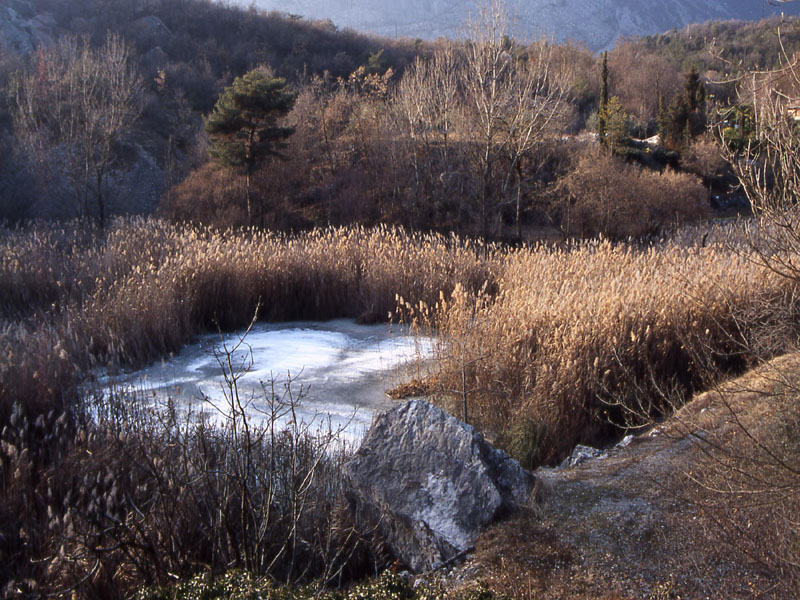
point(243, 126)
point(679, 113)
point(617, 125)
point(695, 92)
point(686, 116)
point(663, 121)
point(602, 112)
point(696, 102)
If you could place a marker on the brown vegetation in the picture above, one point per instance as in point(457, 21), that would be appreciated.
point(604, 195)
point(124, 496)
point(381, 135)
point(145, 287)
point(566, 341)
point(433, 154)
point(70, 116)
point(140, 494)
point(698, 507)
point(745, 483)
point(541, 347)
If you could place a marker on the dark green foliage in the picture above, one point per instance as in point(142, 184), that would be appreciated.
point(602, 113)
point(375, 63)
point(662, 119)
point(244, 128)
point(745, 43)
point(686, 117)
point(604, 80)
point(617, 124)
point(737, 126)
point(695, 90)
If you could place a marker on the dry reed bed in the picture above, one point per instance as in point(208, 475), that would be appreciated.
point(542, 339)
point(574, 341)
point(72, 298)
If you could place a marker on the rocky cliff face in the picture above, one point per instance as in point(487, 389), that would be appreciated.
point(21, 29)
point(598, 23)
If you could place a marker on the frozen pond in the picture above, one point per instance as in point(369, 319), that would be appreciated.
point(342, 371)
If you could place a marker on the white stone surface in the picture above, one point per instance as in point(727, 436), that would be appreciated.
point(430, 483)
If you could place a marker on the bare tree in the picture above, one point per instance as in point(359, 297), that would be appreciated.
point(539, 91)
point(512, 98)
point(641, 80)
point(755, 483)
point(768, 166)
point(70, 111)
point(428, 101)
point(485, 81)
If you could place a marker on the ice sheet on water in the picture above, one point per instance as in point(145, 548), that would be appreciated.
point(343, 369)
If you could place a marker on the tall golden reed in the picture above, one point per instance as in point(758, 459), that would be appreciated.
point(574, 342)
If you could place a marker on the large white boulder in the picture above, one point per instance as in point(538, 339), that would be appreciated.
point(430, 483)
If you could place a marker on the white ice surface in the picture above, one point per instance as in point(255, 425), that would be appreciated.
point(341, 369)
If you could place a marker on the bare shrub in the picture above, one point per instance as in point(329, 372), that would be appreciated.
point(70, 113)
point(743, 484)
point(606, 196)
point(531, 340)
point(78, 297)
point(705, 159)
point(143, 493)
point(672, 199)
point(211, 195)
point(639, 78)
point(748, 473)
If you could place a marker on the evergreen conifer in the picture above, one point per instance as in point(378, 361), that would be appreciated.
point(243, 126)
point(603, 110)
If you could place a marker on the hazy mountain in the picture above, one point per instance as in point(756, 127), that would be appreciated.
point(597, 22)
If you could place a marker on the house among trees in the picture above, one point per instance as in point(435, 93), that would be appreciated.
point(794, 109)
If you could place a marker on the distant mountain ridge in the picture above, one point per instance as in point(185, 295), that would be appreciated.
point(598, 23)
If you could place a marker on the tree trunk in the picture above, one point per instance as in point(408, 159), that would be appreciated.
point(248, 181)
point(519, 200)
point(101, 208)
point(487, 190)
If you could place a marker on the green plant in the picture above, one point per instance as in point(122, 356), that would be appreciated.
point(244, 127)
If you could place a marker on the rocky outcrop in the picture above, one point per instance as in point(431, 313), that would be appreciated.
point(598, 23)
point(580, 455)
point(429, 483)
point(21, 29)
